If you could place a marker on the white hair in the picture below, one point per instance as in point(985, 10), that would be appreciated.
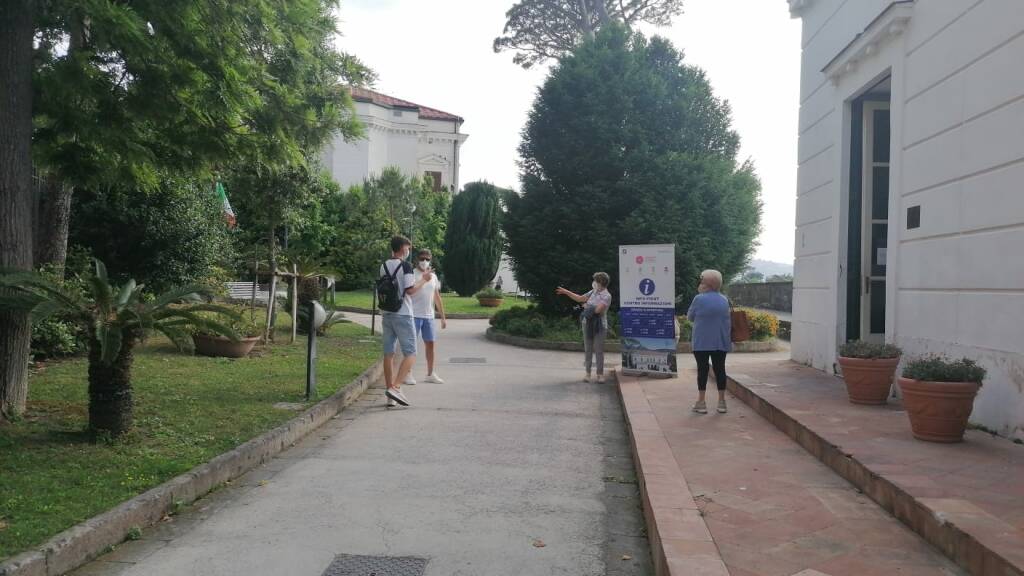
point(713, 278)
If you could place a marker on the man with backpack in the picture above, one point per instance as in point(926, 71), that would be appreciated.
point(395, 286)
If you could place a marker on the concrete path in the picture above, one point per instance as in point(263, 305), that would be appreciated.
point(512, 467)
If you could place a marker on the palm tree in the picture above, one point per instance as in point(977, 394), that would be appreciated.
point(116, 318)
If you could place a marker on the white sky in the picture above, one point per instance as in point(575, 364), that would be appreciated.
point(438, 53)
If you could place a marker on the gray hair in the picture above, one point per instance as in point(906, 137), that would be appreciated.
point(713, 278)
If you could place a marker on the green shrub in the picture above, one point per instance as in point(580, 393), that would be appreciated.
point(242, 324)
point(489, 293)
point(685, 329)
point(165, 238)
point(527, 327)
point(868, 350)
point(941, 369)
point(532, 323)
point(56, 338)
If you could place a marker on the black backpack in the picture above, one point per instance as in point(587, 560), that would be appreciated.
point(389, 297)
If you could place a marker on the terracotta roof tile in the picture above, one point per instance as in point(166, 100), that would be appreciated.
point(366, 95)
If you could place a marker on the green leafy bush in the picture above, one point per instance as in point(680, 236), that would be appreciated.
point(242, 324)
point(533, 323)
point(165, 238)
point(941, 369)
point(685, 329)
point(869, 350)
point(56, 338)
point(489, 293)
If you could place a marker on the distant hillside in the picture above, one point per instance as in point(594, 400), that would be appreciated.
point(771, 268)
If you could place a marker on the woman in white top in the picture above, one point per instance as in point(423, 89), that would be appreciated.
point(595, 321)
point(424, 302)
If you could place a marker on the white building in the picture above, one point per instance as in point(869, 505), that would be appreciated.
point(910, 208)
point(420, 141)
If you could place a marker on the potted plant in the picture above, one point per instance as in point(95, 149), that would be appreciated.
point(210, 343)
point(490, 297)
point(939, 395)
point(868, 370)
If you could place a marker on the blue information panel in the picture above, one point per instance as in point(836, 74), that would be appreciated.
point(647, 322)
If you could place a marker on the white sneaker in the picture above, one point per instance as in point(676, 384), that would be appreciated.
point(410, 380)
point(586, 377)
point(600, 378)
point(433, 379)
point(396, 395)
point(391, 403)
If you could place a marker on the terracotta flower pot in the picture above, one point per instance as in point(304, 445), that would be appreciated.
point(938, 411)
point(490, 302)
point(868, 380)
point(223, 347)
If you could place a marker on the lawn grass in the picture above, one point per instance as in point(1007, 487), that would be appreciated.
point(188, 409)
point(453, 303)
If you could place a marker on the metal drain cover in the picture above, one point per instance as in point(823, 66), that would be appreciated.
point(348, 565)
point(467, 360)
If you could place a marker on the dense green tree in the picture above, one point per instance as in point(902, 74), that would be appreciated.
point(473, 242)
point(539, 30)
point(164, 237)
point(123, 93)
point(364, 219)
point(648, 158)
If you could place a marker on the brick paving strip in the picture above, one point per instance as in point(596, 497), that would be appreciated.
point(731, 494)
point(966, 499)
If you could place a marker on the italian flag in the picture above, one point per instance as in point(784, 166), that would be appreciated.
point(229, 214)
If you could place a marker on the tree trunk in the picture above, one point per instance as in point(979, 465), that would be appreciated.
point(588, 26)
point(602, 12)
point(110, 389)
point(51, 228)
point(15, 192)
point(272, 294)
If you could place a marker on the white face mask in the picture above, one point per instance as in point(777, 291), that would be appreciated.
point(424, 264)
point(595, 286)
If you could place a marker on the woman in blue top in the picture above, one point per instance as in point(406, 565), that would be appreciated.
point(712, 336)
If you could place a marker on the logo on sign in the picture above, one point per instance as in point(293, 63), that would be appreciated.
point(647, 286)
point(639, 259)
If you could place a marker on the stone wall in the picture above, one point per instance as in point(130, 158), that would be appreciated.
point(767, 295)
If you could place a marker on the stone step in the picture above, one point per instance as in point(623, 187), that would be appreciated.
point(730, 494)
point(965, 499)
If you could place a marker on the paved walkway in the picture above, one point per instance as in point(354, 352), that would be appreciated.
point(512, 467)
point(771, 508)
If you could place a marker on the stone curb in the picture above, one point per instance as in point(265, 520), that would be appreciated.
point(500, 337)
point(681, 543)
point(88, 540)
point(453, 316)
point(972, 551)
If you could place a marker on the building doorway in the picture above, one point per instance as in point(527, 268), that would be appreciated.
point(868, 212)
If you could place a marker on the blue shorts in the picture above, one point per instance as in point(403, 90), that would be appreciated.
point(425, 328)
point(398, 329)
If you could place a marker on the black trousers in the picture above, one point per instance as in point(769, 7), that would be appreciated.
point(718, 361)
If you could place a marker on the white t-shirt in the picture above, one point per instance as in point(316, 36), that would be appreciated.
point(404, 279)
point(423, 299)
